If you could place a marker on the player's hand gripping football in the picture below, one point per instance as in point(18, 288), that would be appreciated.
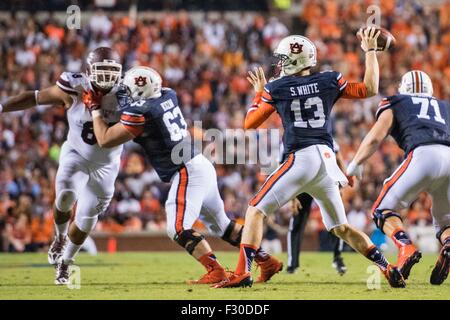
point(92, 100)
point(369, 38)
point(257, 79)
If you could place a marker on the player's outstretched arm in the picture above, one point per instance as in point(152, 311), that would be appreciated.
point(30, 99)
point(369, 45)
point(109, 137)
point(371, 142)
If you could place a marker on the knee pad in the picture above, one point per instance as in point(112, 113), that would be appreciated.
point(440, 232)
point(229, 231)
point(86, 224)
point(379, 217)
point(188, 239)
point(65, 200)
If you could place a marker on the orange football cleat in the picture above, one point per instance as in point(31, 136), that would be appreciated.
point(235, 281)
point(408, 256)
point(268, 269)
point(394, 277)
point(213, 276)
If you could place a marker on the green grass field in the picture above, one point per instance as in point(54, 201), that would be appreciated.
point(162, 275)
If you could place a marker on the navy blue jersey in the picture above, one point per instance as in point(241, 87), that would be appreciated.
point(418, 120)
point(160, 127)
point(304, 105)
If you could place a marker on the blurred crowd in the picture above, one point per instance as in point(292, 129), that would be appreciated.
point(205, 60)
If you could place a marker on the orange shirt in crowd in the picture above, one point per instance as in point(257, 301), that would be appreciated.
point(42, 229)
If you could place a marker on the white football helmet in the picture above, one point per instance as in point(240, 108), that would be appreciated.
point(142, 83)
point(296, 53)
point(416, 82)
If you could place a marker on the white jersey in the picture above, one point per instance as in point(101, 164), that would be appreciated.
point(81, 135)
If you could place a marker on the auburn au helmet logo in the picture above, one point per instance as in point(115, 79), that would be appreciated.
point(296, 47)
point(140, 81)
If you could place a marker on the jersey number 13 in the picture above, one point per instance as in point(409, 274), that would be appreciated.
point(319, 116)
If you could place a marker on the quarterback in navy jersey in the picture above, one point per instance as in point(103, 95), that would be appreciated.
point(420, 124)
point(152, 118)
point(304, 100)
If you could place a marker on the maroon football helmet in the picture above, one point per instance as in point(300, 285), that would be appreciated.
point(103, 68)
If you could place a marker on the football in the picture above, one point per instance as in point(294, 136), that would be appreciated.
point(385, 40)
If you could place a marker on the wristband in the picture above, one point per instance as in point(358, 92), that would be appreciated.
point(1, 108)
point(96, 113)
point(372, 49)
point(36, 95)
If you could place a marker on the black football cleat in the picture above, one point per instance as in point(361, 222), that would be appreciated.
point(394, 277)
point(339, 265)
point(440, 271)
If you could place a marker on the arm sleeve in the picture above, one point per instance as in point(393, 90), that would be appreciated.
point(260, 110)
point(133, 121)
point(355, 91)
point(64, 84)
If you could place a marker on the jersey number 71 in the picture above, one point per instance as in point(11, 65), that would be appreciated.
point(424, 105)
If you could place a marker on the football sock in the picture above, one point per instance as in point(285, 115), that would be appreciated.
point(374, 255)
point(246, 255)
point(61, 229)
point(70, 251)
point(209, 261)
point(261, 255)
point(400, 238)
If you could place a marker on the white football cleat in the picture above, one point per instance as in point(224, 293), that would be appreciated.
point(62, 272)
point(56, 249)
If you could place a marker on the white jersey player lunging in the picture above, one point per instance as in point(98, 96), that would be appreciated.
point(86, 172)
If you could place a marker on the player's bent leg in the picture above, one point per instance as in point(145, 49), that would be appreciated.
point(62, 210)
point(95, 198)
point(442, 266)
point(361, 243)
point(441, 220)
point(327, 195)
point(403, 186)
point(75, 240)
point(197, 246)
point(251, 240)
point(390, 223)
point(183, 208)
point(70, 179)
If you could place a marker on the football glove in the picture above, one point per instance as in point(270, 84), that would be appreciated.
point(92, 100)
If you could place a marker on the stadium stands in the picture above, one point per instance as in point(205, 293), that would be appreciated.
point(205, 58)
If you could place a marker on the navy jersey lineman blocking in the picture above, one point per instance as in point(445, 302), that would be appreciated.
point(164, 128)
point(304, 105)
point(421, 128)
point(419, 120)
